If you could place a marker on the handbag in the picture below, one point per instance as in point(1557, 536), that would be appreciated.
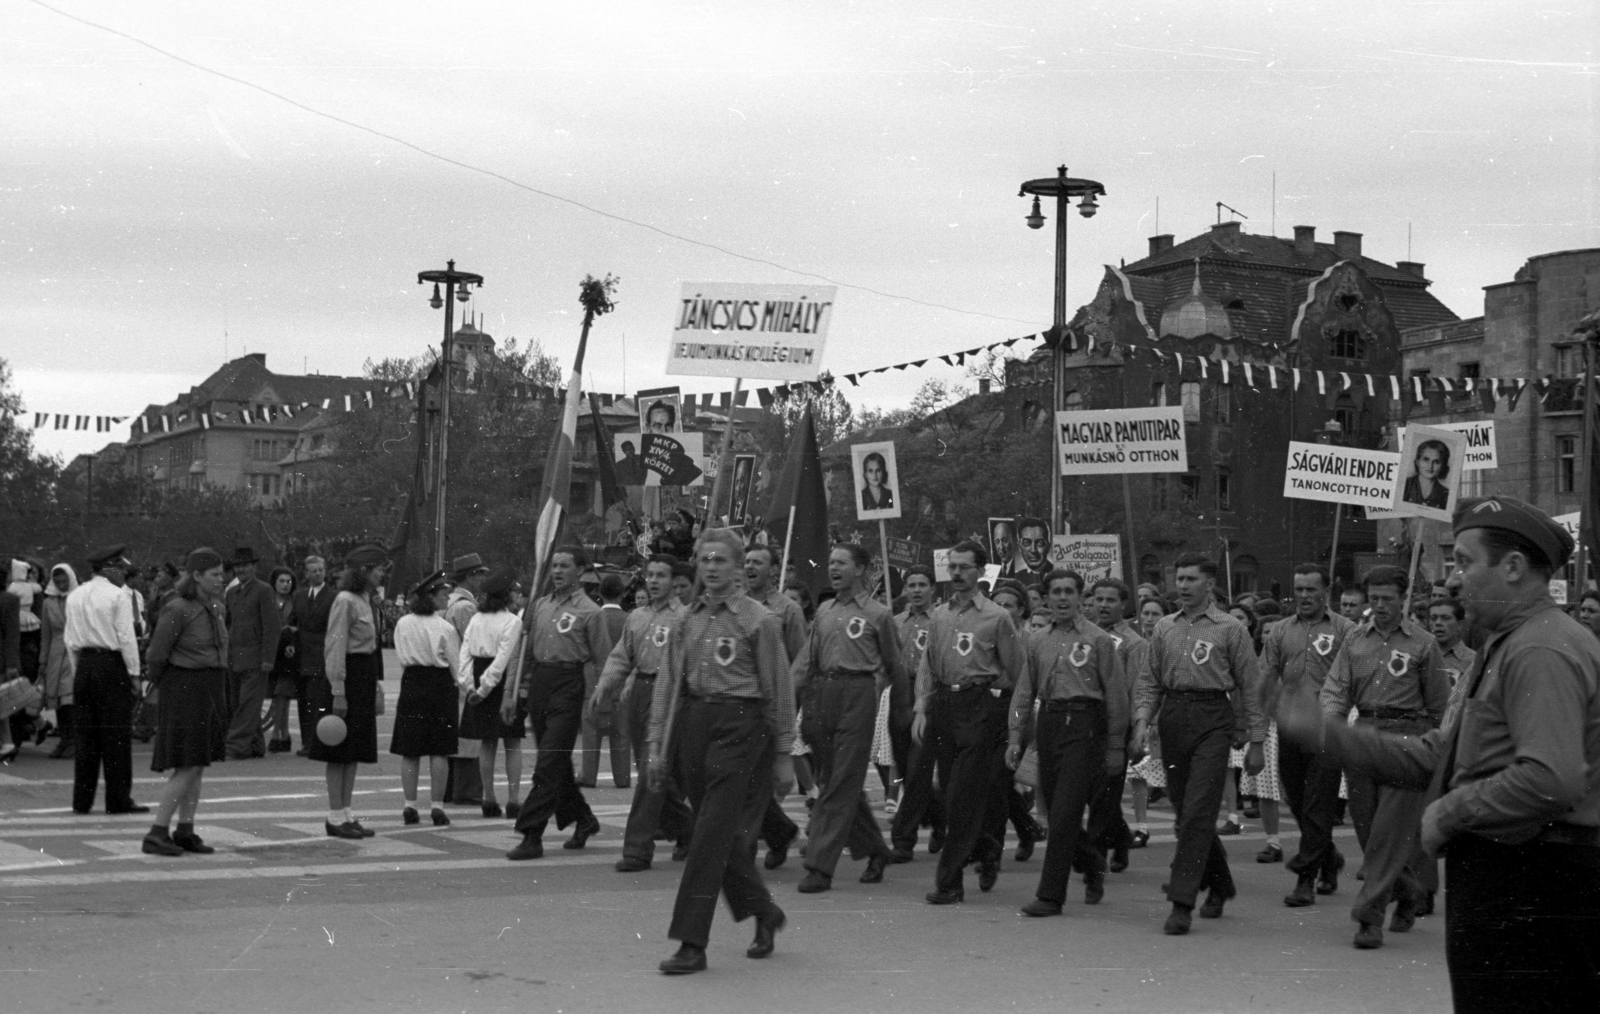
point(18, 695)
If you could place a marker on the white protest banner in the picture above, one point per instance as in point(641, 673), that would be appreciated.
point(1122, 440)
point(1571, 523)
point(878, 479)
point(1480, 451)
point(1429, 482)
point(1340, 474)
point(1093, 556)
point(941, 565)
point(1558, 591)
point(737, 329)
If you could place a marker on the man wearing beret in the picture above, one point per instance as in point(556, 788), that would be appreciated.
point(1512, 778)
point(105, 655)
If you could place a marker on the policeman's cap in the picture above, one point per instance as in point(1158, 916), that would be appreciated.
point(110, 556)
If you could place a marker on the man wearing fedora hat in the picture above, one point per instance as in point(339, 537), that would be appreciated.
point(466, 573)
point(253, 625)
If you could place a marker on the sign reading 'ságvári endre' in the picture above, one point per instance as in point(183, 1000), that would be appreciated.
point(1119, 440)
point(1340, 474)
point(740, 329)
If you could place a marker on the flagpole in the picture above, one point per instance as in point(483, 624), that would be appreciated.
point(883, 547)
point(1333, 554)
point(723, 478)
point(788, 536)
point(1586, 505)
point(1416, 558)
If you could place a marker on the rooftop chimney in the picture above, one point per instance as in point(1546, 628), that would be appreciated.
point(1410, 267)
point(1305, 240)
point(1227, 230)
point(1160, 244)
point(1347, 245)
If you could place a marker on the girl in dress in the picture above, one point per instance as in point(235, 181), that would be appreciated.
point(429, 650)
point(490, 653)
point(352, 668)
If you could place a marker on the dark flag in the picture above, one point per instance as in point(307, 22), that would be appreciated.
point(610, 490)
point(409, 545)
point(801, 489)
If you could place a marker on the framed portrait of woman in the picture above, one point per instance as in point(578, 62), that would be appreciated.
point(1429, 478)
point(877, 481)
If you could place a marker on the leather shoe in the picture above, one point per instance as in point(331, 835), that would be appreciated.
point(1094, 887)
point(1304, 893)
point(942, 897)
point(1271, 854)
point(1229, 828)
point(492, 810)
point(873, 874)
point(193, 843)
point(935, 843)
point(1024, 848)
point(777, 855)
point(409, 815)
point(130, 808)
point(1141, 839)
point(160, 843)
point(632, 864)
point(1215, 899)
point(439, 817)
point(513, 809)
point(1405, 916)
point(1178, 921)
point(988, 873)
point(898, 856)
point(1119, 859)
point(344, 830)
point(366, 832)
point(1039, 908)
point(814, 883)
point(532, 847)
point(1369, 937)
point(688, 960)
point(582, 833)
point(767, 926)
point(680, 852)
point(1328, 880)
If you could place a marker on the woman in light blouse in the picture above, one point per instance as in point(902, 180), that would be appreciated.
point(349, 685)
point(188, 660)
point(490, 651)
point(427, 646)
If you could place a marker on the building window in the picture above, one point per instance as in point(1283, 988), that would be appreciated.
point(1470, 371)
point(1190, 393)
point(1344, 412)
point(1566, 464)
point(1224, 489)
point(1349, 344)
point(1422, 375)
point(1158, 394)
point(1224, 403)
point(1190, 486)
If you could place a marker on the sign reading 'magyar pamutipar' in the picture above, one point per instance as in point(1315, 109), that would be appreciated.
point(1119, 440)
point(761, 332)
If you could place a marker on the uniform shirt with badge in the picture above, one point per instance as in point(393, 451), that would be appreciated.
point(970, 641)
point(568, 629)
point(1457, 662)
point(913, 626)
point(1072, 660)
point(643, 645)
point(1209, 650)
point(1400, 670)
point(856, 635)
point(731, 647)
point(1296, 649)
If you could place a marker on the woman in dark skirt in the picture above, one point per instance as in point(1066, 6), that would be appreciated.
point(352, 667)
point(425, 718)
point(188, 660)
point(490, 651)
point(286, 669)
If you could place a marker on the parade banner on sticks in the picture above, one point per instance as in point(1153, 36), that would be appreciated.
point(1093, 556)
point(1479, 453)
point(1121, 440)
point(1341, 475)
point(737, 329)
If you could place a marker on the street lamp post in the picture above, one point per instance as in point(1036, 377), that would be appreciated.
point(451, 279)
point(1062, 188)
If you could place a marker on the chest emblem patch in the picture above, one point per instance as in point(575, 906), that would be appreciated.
point(1323, 643)
point(1117, 640)
point(564, 623)
point(964, 644)
point(1080, 654)
point(727, 650)
point(1398, 662)
point(658, 637)
point(855, 628)
point(1454, 674)
point(921, 640)
point(1200, 654)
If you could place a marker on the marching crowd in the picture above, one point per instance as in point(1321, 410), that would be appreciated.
point(1464, 722)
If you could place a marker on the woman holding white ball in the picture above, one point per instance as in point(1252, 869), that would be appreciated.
point(349, 687)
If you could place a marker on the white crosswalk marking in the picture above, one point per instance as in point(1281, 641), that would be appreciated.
point(379, 846)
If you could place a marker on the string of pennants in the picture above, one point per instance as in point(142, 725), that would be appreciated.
point(68, 421)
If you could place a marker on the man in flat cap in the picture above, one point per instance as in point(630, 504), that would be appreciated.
point(1513, 777)
point(99, 635)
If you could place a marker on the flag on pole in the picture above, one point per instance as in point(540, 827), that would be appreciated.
point(610, 491)
point(802, 486)
point(413, 534)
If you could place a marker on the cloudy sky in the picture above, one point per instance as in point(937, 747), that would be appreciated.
point(185, 181)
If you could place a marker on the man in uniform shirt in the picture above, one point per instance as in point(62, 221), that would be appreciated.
point(724, 717)
point(760, 583)
point(467, 574)
point(639, 657)
point(1445, 616)
point(1074, 671)
point(100, 637)
point(1108, 829)
point(964, 686)
point(1389, 669)
point(566, 638)
point(920, 759)
point(1303, 647)
point(1200, 676)
point(853, 639)
point(1513, 780)
point(600, 718)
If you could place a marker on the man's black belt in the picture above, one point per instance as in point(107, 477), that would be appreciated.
point(1197, 695)
point(1393, 714)
point(100, 651)
point(956, 688)
point(1072, 704)
point(561, 668)
point(722, 699)
point(1570, 834)
point(849, 674)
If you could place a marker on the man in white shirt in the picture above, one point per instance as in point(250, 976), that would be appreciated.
point(100, 636)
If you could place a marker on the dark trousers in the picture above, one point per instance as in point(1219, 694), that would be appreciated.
point(920, 802)
point(1195, 738)
point(103, 726)
point(1108, 828)
point(555, 704)
point(838, 722)
point(1072, 764)
point(723, 754)
point(247, 691)
point(1311, 788)
point(610, 726)
point(653, 814)
point(972, 728)
point(1389, 827)
point(1522, 926)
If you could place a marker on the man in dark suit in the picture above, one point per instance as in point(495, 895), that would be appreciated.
point(312, 602)
point(253, 623)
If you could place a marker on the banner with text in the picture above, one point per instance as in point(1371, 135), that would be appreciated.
point(1093, 556)
point(1479, 453)
point(738, 329)
point(904, 553)
point(1340, 474)
point(1120, 440)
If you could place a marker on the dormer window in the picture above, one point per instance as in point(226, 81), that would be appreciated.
point(1348, 343)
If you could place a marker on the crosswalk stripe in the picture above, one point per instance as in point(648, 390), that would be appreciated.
point(198, 872)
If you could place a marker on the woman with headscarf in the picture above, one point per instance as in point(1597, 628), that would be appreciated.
point(348, 688)
point(188, 660)
point(55, 661)
point(286, 669)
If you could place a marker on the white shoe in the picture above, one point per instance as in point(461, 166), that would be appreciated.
point(891, 806)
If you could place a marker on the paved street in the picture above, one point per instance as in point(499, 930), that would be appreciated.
point(431, 919)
